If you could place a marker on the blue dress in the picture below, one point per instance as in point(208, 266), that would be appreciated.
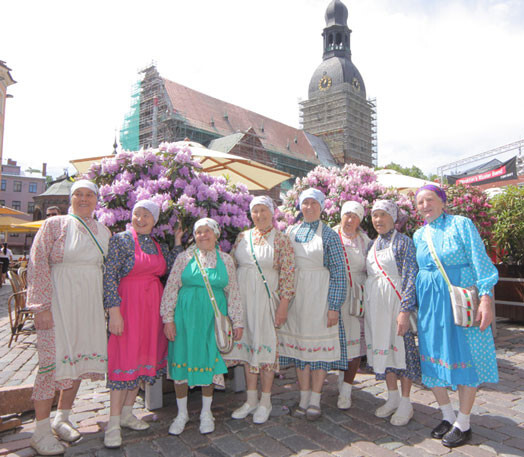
point(452, 355)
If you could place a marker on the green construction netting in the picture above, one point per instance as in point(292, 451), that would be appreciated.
point(131, 127)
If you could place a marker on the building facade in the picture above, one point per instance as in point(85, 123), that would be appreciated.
point(337, 109)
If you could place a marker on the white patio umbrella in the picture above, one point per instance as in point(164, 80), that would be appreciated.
point(403, 183)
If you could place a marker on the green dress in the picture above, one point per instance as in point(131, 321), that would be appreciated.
point(194, 355)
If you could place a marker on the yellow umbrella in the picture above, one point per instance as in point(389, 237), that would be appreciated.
point(32, 226)
point(7, 221)
point(7, 210)
point(83, 165)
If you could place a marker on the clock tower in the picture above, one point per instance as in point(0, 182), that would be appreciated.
point(337, 109)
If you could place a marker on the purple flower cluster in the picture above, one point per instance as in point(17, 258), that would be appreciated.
point(173, 180)
point(352, 182)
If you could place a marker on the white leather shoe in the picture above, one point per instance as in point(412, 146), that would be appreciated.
point(401, 418)
point(178, 425)
point(386, 410)
point(133, 422)
point(244, 411)
point(343, 402)
point(207, 423)
point(46, 445)
point(65, 431)
point(113, 438)
point(262, 414)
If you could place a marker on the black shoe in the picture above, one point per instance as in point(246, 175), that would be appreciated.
point(456, 437)
point(440, 430)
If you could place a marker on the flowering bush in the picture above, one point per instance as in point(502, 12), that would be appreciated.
point(472, 202)
point(176, 183)
point(352, 182)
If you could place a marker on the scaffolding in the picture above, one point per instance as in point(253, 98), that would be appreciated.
point(129, 133)
point(346, 121)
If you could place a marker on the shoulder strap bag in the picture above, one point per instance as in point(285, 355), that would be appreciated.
point(412, 314)
point(274, 299)
point(93, 237)
point(356, 294)
point(464, 300)
point(223, 326)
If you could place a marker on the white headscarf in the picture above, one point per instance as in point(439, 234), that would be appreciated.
point(152, 207)
point(353, 207)
point(262, 200)
point(84, 184)
point(211, 223)
point(315, 194)
point(388, 206)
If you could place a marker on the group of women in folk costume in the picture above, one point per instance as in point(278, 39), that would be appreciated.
point(294, 298)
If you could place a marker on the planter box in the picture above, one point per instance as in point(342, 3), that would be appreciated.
point(509, 292)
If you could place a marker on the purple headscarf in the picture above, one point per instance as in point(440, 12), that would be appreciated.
point(439, 191)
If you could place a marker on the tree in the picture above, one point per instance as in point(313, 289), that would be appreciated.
point(414, 171)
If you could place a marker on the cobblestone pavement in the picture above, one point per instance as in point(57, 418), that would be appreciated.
point(497, 419)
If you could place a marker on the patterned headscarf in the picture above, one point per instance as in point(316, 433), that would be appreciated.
point(438, 190)
point(315, 194)
point(152, 207)
point(353, 207)
point(262, 200)
point(388, 206)
point(84, 184)
point(207, 221)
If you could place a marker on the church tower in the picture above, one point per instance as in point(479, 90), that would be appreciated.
point(337, 109)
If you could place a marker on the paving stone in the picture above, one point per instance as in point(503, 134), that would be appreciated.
point(27, 452)
point(299, 443)
point(493, 435)
point(269, 447)
point(365, 430)
point(501, 449)
point(193, 438)
point(411, 451)
point(278, 431)
point(104, 452)
point(210, 451)
point(12, 446)
point(231, 445)
point(144, 449)
point(373, 449)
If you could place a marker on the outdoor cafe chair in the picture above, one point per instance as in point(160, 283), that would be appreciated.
point(20, 318)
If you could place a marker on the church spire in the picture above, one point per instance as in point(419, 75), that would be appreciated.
point(336, 34)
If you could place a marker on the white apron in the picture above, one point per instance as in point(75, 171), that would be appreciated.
point(385, 349)
point(77, 305)
point(305, 335)
point(354, 325)
point(259, 342)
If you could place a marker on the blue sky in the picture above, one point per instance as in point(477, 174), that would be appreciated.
point(447, 75)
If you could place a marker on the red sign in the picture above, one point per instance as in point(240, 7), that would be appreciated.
point(483, 176)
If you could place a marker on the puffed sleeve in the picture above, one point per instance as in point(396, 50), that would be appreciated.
point(39, 289)
point(406, 260)
point(335, 262)
point(174, 283)
point(485, 273)
point(284, 263)
point(115, 259)
point(234, 304)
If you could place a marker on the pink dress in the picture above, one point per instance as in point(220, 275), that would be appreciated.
point(141, 351)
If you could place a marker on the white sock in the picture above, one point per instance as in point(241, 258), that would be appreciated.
point(314, 400)
point(404, 406)
point(43, 427)
point(252, 397)
point(345, 390)
point(305, 395)
point(341, 375)
point(462, 422)
point(265, 400)
point(114, 422)
point(393, 397)
point(206, 405)
point(127, 411)
point(181, 404)
point(447, 413)
point(62, 415)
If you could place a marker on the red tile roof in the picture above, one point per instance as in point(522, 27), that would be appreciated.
point(213, 115)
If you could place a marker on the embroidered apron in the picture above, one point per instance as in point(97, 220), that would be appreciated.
point(305, 335)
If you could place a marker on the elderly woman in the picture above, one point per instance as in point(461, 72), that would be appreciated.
point(355, 243)
point(266, 264)
point(65, 292)
point(137, 348)
point(389, 300)
point(452, 355)
point(189, 320)
point(313, 337)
